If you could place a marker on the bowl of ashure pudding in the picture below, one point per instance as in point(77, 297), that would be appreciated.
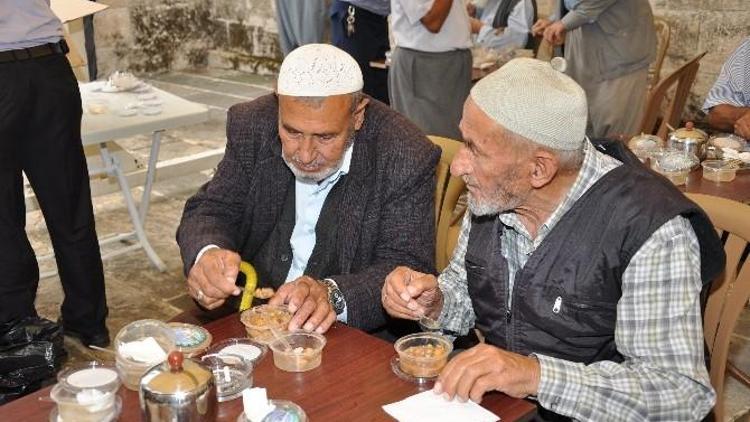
point(423, 355)
point(264, 323)
point(298, 351)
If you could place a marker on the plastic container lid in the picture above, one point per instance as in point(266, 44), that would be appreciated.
point(190, 339)
point(89, 375)
point(246, 348)
point(285, 411)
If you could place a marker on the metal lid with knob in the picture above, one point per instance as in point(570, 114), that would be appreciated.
point(689, 134)
point(178, 390)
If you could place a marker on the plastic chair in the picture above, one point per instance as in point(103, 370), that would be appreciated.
point(730, 291)
point(682, 79)
point(663, 35)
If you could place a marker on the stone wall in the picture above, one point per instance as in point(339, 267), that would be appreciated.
point(159, 35)
point(716, 26)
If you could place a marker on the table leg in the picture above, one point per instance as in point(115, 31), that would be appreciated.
point(113, 166)
point(150, 175)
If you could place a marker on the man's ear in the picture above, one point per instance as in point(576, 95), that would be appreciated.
point(545, 166)
point(359, 112)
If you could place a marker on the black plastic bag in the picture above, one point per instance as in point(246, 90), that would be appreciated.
point(31, 352)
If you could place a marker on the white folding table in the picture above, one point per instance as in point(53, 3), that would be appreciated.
point(98, 129)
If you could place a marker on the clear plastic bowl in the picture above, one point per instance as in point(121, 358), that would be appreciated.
point(131, 370)
point(675, 165)
point(718, 171)
point(262, 321)
point(232, 374)
point(423, 355)
point(298, 352)
point(190, 339)
point(85, 406)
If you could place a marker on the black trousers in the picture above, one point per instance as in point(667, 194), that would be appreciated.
point(40, 134)
point(368, 42)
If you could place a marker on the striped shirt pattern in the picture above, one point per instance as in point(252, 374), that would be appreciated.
point(733, 85)
point(658, 330)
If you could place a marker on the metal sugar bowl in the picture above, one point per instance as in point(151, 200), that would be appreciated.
point(178, 390)
point(689, 140)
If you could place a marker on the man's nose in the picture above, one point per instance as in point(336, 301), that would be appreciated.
point(460, 164)
point(306, 152)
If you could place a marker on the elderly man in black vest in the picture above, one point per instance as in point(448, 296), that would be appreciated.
point(582, 268)
point(322, 190)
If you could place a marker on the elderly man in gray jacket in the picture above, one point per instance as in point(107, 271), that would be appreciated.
point(323, 190)
point(609, 45)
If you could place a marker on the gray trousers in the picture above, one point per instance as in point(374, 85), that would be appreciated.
point(430, 88)
point(300, 22)
point(616, 106)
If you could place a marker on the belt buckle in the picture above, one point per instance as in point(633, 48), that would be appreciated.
point(18, 56)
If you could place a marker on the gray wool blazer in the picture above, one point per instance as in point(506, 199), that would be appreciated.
point(381, 215)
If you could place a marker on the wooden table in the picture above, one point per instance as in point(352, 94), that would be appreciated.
point(736, 190)
point(352, 384)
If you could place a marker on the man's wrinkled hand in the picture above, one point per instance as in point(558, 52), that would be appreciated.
point(409, 294)
point(212, 278)
point(554, 33)
point(486, 368)
point(308, 301)
point(742, 126)
point(539, 26)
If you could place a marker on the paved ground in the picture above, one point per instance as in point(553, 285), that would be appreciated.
point(136, 290)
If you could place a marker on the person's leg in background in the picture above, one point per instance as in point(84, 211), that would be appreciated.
point(19, 272)
point(300, 22)
point(368, 42)
point(616, 106)
point(55, 164)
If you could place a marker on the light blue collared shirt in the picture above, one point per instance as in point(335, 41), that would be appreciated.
point(308, 202)
point(515, 35)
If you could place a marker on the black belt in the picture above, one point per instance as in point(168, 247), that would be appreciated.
point(60, 47)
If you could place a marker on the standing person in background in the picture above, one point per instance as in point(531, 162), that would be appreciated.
point(360, 27)
point(300, 22)
point(609, 45)
point(430, 74)
point(40, 135)
point(504, 24)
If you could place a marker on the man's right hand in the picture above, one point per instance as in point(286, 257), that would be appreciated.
point(539, 26)
point(409, 294)
point(742, 126)
point(211, 279)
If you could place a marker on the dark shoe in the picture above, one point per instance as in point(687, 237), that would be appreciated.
point(97, 339)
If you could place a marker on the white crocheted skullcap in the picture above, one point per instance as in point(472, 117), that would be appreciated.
point(319, 70)
point(532, 99)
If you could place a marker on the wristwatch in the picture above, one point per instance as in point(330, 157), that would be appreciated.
point(335, 297)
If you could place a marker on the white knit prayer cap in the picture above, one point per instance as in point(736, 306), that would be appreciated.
point(319, 70)
point(532, 99)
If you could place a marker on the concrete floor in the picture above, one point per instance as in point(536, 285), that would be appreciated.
point(136, 290)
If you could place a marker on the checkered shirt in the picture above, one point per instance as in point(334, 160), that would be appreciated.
point(658, 330)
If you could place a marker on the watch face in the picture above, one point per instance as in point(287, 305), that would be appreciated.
point(337, 301)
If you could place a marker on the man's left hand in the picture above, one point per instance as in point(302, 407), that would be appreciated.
point(555, 33)
point(742, 126)
point(485, 368)
point(308, 301)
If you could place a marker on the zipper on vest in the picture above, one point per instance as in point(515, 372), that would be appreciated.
point(508, 316)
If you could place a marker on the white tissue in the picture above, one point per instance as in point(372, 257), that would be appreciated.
point(146, 351)
point(430, 407)
point(256, 404)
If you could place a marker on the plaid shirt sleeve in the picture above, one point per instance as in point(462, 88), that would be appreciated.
point(659, 333)
point(458, 313)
